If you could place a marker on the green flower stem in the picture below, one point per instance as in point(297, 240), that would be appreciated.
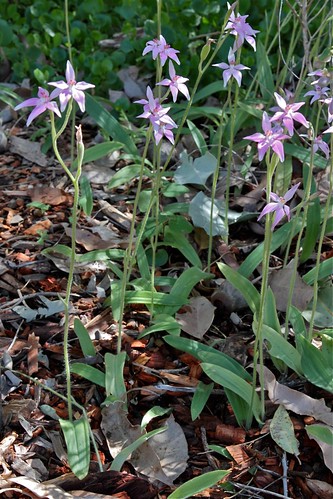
point(258, 325)
point(327, 213)
point(75, 182)
point(132, 249)
point(215, 179)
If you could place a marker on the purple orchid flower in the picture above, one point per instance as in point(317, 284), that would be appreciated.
point(161, 48)
point(231, 69)
point(163, 129)
point(272, 137)
point(71, 88)
point(318, 143)
point(289, 114)
point(278, 205)
point(176, 83)
point(41, 103)
point(241, 29)
point(329, 103)
point(318, 93)
point(324, 77)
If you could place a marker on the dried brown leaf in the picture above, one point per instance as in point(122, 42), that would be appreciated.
point(198, 317)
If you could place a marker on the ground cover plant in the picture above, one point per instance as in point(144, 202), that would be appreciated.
point(167, 293)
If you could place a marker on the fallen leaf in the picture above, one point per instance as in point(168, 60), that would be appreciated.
point(41, 490)
point(296, 401)
point(198, 316)
point(321, 489)
point(326, 448)
point(28, 150)
point(280, 284)
point(35, 229)
point(162, 459)
point(91, 242)
point(282, 431)
point(49, 195)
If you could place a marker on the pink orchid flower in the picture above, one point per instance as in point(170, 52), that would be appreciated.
point(175, 83)
point(231, 69)
point(278, 206)
point(241, 29)
point(41, 103)
point(272, 137)
point(71, 88)
point(289, 114)
point(159, 46)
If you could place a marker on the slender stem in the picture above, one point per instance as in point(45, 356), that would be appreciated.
point(258, 345)
point(70, 57)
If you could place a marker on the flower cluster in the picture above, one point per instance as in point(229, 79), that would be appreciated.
point(152, 107)
point(323, 93)
point(65, 90)
point(285, 116)
point(238, 27)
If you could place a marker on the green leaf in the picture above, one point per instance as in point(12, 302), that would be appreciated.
point(200, 212)
point(197, 137)
point(162, 322)
point(197, 171)
point(234, 383)
point(126, 175)
point(280, 348)
point(154, 412)
point(76, 435)
point(323, 433)
point(88, 372)
point(198, 484)
point(324, 313)
point(58, 248)
point(208, 354)
point(106, 121)
point(312, 221)
point(200, 397)
point(125, 453)
point(278, 238)
point(99, 151)
point(86, 196)
point(244, 286)
point(179, 241)
point(304, 155)
point(264, 73)
point(114, 374)
point(86, 344)
point(282, 431)
point(315, 366)
point(325, 270)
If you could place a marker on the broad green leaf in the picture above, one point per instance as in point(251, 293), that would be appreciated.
point(210, 89)
point(200, 397)
point(106, 121)
point(114, 374)
point(208, 354)
point(162, 322)
point(280, 348)
point(99, 151)
point(282, 431)
point(154, 412)
point(86, 196)
point(179, 241)
point(264, 73)
point(127, 174)
point(197, 137)
point(323, 316)
point(278, 238)
point(58, 248)
point(200, 212)
point(198, 484)
point(322, 432)
point(304, 155)
point(125, 453)
point(195, 171)
point(76, 435)
point(312, 221)
point(220, 450)
point(88, 372)
point(325, 270)
point(86, 343)
point(234, 383)
point(244, 286)
point(315, 366)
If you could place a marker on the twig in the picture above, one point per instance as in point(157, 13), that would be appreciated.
point(211, 459)
point(284, 463)
point(257, 491)
point(17, 301)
